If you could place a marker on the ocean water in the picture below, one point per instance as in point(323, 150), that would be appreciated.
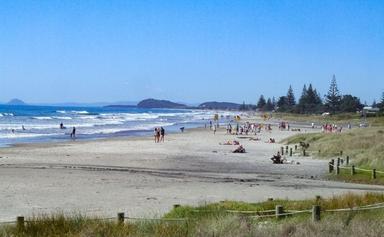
point(42, 123)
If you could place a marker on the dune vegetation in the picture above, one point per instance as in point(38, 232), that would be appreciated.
point(364, 146)
point(343, 118)
point(214, 220)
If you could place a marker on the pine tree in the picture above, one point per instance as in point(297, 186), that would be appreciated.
point(290, 97)
point(303, 100)
point(261, 103)
point(333, 98)
point(310, 101)
point(268, 106)
point(282, 104)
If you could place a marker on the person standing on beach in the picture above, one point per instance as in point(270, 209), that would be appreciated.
point(158, 135)
point(73, 133)
point(162, 133)
point(155, 135)
point(214, 129)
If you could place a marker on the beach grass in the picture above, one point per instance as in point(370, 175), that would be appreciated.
point(344, 118)
point(364, 146)
point(213, 220)
point(358, 177)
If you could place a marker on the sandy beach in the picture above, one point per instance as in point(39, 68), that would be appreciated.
point(145, 179)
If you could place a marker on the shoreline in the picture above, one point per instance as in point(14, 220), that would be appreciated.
point(101, 139)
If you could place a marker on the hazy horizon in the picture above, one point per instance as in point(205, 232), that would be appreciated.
point(190, 52)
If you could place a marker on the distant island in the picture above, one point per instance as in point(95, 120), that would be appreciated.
point(219, 105)
point(153, 103)
point(16, 102)
point(166, 104)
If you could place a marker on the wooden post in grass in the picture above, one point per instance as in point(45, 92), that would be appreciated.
point(120, 218)
point(353, 170)
point(282, 150)
point(347, 161)
point(20, 222)
point(290, 151)
point(278, 211)
point(315, 213)
point(374, 174)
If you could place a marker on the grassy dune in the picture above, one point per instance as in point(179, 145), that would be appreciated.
point(344, 118)
point(212, 220)
point(365, 146)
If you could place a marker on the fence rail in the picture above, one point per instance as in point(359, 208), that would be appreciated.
point(337, 165)
point(278, 213)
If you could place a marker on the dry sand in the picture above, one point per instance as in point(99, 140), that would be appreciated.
point(145, 179)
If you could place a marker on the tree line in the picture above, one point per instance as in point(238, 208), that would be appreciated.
point(311, 102)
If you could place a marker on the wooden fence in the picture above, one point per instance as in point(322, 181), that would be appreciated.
point(279, 212)
point(340, 163)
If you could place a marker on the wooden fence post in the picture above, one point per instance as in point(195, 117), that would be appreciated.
point(315, 213)
point(278, 211)
point(353, 170)
point(290, 151)
point(120, 218)
point(347, 161)
point(374, 174)
point(20, 222)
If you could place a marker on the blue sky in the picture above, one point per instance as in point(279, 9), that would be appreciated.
point(190, 51)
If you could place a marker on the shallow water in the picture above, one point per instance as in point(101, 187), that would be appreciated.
point(42, 123)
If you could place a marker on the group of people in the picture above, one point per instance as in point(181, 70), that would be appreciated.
point(247, 128)
point(159, 134)
point(277, 159)
point(284, 126)
point(72, 134)
point(329, 128)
